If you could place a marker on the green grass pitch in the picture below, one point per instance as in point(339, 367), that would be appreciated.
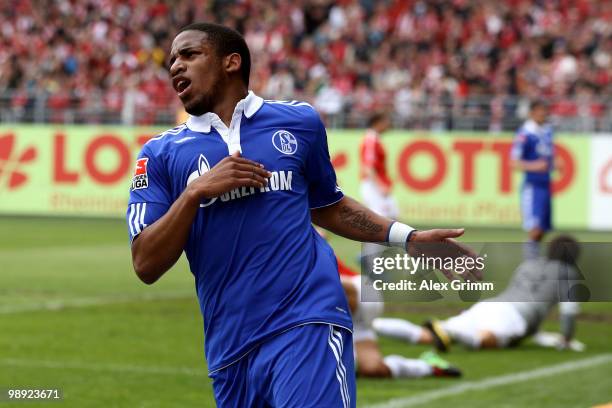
point(74, 316)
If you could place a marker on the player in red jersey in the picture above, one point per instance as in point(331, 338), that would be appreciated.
point(376, 185)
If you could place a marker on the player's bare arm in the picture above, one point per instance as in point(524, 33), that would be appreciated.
point(352, 220)
point(539, 166)
point(160, 245)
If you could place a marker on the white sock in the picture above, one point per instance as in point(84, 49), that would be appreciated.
point(398, 328)
point(461, 333)
point(402, 367)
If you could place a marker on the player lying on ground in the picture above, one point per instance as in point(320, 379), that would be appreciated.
point(502, 321)
point(237, 187)
point(369, 360)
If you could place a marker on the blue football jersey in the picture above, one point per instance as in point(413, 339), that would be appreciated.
point(533, 142)
point(259, 266)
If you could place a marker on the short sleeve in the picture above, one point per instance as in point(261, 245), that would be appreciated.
point(150, 195)
point(518, 146)
point(323, 189)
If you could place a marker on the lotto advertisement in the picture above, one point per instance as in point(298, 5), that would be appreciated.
point(438, 178)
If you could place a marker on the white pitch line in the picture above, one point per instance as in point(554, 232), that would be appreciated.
point(116, 368)
point(56, 305)
point(499, 381)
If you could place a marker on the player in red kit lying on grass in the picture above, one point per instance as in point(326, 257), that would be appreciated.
point(369, 361)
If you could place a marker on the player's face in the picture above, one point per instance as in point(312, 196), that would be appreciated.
point(383, 125)
point(386, 124)
point(540, 114)
point(195, 71)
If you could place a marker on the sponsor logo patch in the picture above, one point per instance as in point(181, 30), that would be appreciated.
point(140, 179)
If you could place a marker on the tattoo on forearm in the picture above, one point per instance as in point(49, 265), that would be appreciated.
point(359, 220)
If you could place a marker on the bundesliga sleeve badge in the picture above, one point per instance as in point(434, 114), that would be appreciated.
point(140, 179)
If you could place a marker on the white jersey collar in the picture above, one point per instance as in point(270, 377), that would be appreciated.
point(532, 127)
point(249, 106)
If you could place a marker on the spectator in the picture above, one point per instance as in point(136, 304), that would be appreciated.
point(396, 53)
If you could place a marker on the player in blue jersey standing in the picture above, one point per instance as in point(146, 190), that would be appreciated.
point(532, 153)
point(237, 187)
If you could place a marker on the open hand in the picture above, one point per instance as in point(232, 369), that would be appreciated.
point(440, 243)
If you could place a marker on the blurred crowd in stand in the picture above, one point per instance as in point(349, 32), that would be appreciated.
point(433, 64)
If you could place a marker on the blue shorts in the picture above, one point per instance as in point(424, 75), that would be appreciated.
point(536, 207)
point(308, 366)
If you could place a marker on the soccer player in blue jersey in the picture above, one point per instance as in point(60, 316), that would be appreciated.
point(532, 153)
point(237, 187)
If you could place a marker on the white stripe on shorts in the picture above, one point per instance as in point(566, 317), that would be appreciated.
point(336, 334)
point(336, 348)
point(527, 207)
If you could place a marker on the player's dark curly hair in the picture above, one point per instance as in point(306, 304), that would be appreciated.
point(226, 41)
point(376, 117)
point(564, 248)
point(538, 103)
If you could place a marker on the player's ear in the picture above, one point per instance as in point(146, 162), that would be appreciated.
point(233, 62)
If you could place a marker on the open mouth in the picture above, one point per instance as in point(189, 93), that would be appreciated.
point(182, 86)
